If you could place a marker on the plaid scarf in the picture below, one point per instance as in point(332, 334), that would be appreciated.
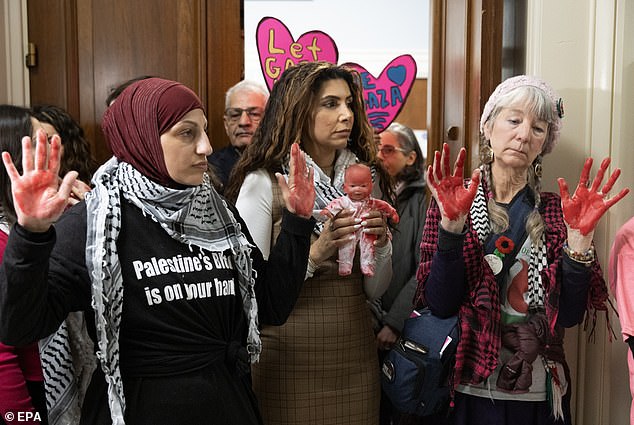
point(194, 216)
point(478, 350)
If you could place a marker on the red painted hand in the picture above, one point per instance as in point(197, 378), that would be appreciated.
point(299, 193)
point(38, 196)
point(453, 198)
point(587, 205)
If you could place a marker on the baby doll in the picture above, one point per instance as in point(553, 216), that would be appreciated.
point(358, 188)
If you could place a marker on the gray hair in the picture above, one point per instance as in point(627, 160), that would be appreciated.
point(537, 102)
point(407, 139)
point(248, 86)
point(540, 104)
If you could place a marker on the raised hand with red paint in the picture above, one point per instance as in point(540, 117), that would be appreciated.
point(38, 195)
point(586, 206)
point(299, 192)
point(449, 191)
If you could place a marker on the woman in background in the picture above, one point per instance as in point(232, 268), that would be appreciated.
point(401, 157)
point(76, 154)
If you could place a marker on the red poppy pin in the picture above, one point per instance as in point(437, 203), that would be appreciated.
point(504, 245)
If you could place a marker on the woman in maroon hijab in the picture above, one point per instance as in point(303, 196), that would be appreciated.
point(176, 287)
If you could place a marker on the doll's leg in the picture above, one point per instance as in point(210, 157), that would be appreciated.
point(346, 257)
point(366, 251)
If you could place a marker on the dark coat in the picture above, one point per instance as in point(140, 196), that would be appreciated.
point(398, 300)
point(222, 162)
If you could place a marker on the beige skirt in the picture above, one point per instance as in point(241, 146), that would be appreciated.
point(321, 367)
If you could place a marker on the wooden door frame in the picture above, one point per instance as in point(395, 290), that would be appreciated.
point(479, 71)
point(68, 61)
point(225, 62)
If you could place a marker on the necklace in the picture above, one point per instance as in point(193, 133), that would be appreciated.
point(328, 170)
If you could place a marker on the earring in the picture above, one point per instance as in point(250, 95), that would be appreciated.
point(538, 167)
point(486, 154)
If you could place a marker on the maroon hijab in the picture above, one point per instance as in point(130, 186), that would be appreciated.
point(133, 124)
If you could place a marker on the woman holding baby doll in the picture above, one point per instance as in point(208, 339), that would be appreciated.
point(321, 366)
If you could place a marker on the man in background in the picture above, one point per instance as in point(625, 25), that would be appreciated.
point(244, 106)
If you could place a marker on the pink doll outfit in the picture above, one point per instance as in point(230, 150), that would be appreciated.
point(365, 241)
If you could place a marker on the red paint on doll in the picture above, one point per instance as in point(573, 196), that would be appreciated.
point(358, 182)
point(358, 188)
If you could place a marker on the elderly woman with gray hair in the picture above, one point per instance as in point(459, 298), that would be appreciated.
point(516, 265)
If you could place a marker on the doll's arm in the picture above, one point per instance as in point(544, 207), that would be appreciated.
point(386, 208)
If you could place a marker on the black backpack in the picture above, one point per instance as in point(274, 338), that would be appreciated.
point(415, 373)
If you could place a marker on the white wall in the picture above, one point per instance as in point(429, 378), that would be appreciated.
point(370, 33)
point(585, 48)
point(13, 35)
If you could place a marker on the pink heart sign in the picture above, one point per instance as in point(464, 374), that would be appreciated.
point(385, 96)
point(278, 50)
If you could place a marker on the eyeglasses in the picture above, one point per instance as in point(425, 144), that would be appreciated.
point(388, 150)
point(234, 114)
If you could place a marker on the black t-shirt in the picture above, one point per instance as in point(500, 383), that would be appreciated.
point(175, 358)
point(182, 305)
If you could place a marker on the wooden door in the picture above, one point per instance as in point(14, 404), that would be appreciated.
point(86, 47)
point(466, 52)
point(52, 29)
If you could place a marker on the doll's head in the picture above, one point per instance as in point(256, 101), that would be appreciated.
point(358, 182)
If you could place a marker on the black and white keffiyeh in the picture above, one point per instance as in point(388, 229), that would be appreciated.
point(195, 216)
point(537, 262)
point(68, 361)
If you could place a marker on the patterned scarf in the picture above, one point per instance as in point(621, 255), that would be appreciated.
point(537, 262)
point(194, 216)
point(68, 361)
point(535, 301)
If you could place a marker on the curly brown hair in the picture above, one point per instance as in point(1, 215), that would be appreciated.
point(289, 118)
point(77, 156)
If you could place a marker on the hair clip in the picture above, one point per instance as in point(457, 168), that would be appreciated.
point(560, 107)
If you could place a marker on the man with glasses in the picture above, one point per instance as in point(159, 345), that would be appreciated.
point(244, 106)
